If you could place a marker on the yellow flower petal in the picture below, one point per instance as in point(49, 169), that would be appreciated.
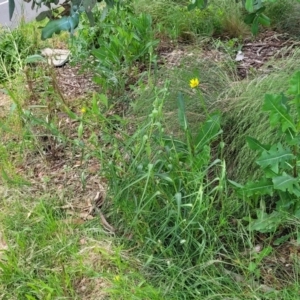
point(83, 110)
point(194, 82)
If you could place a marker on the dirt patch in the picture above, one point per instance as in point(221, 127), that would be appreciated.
point(75, 83)
point(257, 52)
point(5, 104)
point(280, 266)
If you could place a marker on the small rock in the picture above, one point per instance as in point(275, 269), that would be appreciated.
point(56, 57)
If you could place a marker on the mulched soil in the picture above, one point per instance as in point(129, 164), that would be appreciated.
point(74, 83)
point(268, 45)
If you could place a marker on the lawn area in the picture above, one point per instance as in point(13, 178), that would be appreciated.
point(160, 162)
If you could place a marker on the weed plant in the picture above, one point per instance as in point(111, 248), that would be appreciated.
point(14, 48)
point(215, 78)
point(277, 161)
point(241, 104)
point(118, 47)
point(284, 16)
point(172, 19)
point(168, 198)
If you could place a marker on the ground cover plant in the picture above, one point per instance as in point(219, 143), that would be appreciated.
point(154, 165)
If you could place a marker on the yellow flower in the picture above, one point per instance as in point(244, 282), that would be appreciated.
point(117, 278)
point(83, 110)
point(194, 82)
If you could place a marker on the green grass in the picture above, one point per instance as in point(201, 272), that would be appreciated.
point(179, 230)
point(215, 78)
point(20, 43)
point(46, 255)
point(241, 104)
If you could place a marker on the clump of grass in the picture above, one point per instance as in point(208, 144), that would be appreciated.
point(231, 17)
point(45, 254)
point(175, 21)
point(173, 205)
point(284, 16)
point(215, 76)
point(17, 44)
point(241, 105)
point(14, 48)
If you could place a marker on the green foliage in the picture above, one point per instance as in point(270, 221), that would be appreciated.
point(174, 21)
point(278, 162)
point(117, 47)
point(14, 48)
point(165, 191)
point(64, 16)
point(56, 26)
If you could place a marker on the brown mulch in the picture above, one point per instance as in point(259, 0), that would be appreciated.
point(280, 267)
point(75, 83)
point(268, 45)
point(56, 167)
point(258, 51)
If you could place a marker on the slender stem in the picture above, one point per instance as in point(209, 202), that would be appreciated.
point(295, 152)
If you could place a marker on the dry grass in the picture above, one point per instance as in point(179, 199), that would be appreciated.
point(234, 27)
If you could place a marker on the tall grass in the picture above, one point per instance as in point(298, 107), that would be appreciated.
point(173, 206)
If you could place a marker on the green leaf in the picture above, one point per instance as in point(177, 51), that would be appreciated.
point(259, 8)
point(181, 112)
point(208, 131)
point(255, 26)
point(89, 4)
point(235, 184)
point(254, 6)
point(250, 18)
point(56, 26)
point(278, 112)
point(266, 222)
point(34, 59)
point(104, 13)
point(110, 3)
point(272, 158)
point(291, 137)
point(286, 202)
point(43, 15)
point(88, 7)
point(264, 20)
point(285, 183)
point(249, 6)
point(80, 130)
point(256, 145)
point(282, 239)
point(252, 266)
point(103, 99)
point(294, 88)
point(11, 8)
point(262, 187)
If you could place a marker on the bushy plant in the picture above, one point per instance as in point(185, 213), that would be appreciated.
point(172, 19)
point(14, 48)
point(278, 190)
point(117, 47)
